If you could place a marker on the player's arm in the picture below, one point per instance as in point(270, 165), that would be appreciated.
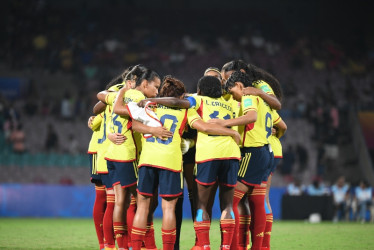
point(214, 129)
point(281, 128)
point(119, 106)
point(160, 132)
point(247, 118)
point(99, 107)
point(167, 101)
point(272, 100)
point(101, 96)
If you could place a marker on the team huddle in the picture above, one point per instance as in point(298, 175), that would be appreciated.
point(150, 136)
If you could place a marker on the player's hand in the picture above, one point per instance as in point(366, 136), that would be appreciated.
point(142, 103)
point(186, 144)
point(161, 132)
point(125, 87)
point(89, 123)
point(251, 91)
point(236, 137)
point(217, 121)
point(117, 138)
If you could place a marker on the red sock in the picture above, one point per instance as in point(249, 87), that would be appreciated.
point(267, 234)
point(137, 237)
point(202, 233)
point(108, 222)
point(238, 195)
point(257, 205)
point(126, 238)
point(168, 239)
point(243, 234)
point(227, 232)
point(149, 240)
point(130, 217)
point(98, 213)
point(119, 231)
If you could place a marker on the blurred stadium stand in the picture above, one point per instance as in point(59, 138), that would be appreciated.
point(45, 58)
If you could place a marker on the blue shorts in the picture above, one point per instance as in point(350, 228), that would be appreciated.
point(255, 165)
point(123, 173)
point(171, 183)
point(95, 177)
point(225, 171)
point(275, 164)
point(105, 179)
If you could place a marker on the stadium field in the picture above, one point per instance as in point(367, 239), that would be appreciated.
point(32, 233)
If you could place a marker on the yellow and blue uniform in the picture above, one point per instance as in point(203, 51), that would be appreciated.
point(257, 157)
point(275, 143)
point(264, 86)
point(121, 159)
point(92, 149)
point(217, 157)
point(160, 163)
point(235, 107)
point(102, 140)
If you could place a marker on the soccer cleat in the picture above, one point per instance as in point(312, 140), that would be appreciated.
point(196, 248)
point(224, 247)
point(206, 247)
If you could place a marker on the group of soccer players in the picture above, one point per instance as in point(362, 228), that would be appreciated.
point(229, 134)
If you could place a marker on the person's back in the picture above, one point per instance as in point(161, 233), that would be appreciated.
point(165, 154)
point(210, 147)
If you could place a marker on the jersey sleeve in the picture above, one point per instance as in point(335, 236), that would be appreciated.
point(192, 116)
point(264, 86)
point(276, 117)
point(109, 98)
point(117, 87)
point(195, 101)
point(249, 103)
point(96, 122)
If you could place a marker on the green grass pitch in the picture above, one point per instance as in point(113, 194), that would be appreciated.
point(33, 233)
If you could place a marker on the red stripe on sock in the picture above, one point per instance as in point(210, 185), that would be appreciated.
point(168, 239)
point(202, 233)
point(267, 233)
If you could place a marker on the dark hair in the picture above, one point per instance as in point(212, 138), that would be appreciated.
point(116, 80)
point(140, 73)
point(255, 74)
point(238, 76)
point(120, 78)
point(172, 87)
point(134, 72)
point(235, 65)
point(260, 74)
point(210, 86)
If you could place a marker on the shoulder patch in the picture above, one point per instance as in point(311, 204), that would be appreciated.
point(247, 103)
point(265, 88)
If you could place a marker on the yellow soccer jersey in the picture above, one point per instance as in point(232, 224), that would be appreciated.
point(210, 147)
point(264, 86)
point(103, 141)
point(256, 134)
point(96, 122)
point(134, 95)
point(273, 140)
point(166, 154)
point(235, 107)
point(126, 152)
